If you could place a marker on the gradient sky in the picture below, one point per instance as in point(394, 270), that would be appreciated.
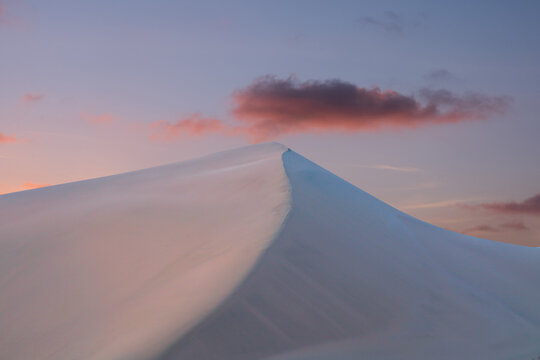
point(93, 88)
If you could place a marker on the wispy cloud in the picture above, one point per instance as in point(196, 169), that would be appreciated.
point(383, 167)
point(389, 22)
point(528, 206)
point(2, 13)
point(6, 139)
point(439, 204)
point(422, 185)
point(480, 228)
point(7, 17)
point(32, 98)
point(510, 225)
point(514, 225)
point(99, 119)
point(192, 125)
point(440, 76)
point(395, 168)
point(392, 23)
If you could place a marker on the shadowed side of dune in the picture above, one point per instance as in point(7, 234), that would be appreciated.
point(302, 292)
point(349, 269)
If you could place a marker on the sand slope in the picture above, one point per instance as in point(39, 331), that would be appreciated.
point(350, 277)
point(251, 254)
point(120, 267)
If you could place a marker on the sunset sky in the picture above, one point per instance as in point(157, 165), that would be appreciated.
point(431, 106)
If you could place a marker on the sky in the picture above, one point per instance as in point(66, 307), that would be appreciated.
point(431, 106)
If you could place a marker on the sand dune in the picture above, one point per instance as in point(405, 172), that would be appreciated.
point(120, 267)
point(255, 253)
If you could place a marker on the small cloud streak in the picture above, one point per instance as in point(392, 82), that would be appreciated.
point(423, 185)
point(528, 206)
point(480, 228)
point(440, 204)
point(6, 139)
point(103, 119)
point(193, 125)
point(466, 107)
point(30, 185)
point(2, 12)
point(440, 75)
point(32, 98)
point(510, 225)
point(384, 167)
point(390, 22)
point(7, 18)
point(514, 225)
point(271, 107)
point(395, 168)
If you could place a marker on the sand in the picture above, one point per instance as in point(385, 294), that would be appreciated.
point(256, 253)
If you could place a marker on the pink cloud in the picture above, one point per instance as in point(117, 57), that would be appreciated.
point(7, 18)
point(32, 98)
point(103, 119)
point(5, 139)
point(2, 12)
point(193, 125)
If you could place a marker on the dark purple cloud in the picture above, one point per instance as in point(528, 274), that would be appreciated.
point(527, 206)
point(270, 107)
